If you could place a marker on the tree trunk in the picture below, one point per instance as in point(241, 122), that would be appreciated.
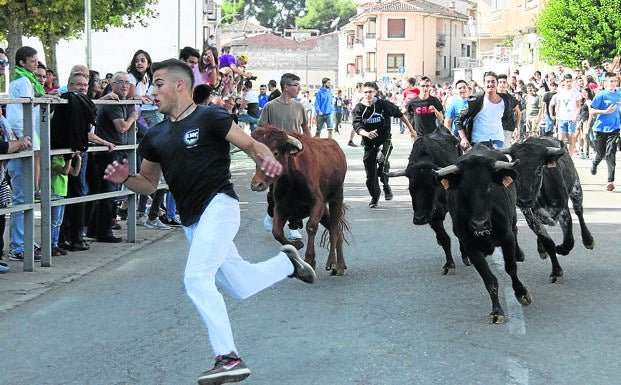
point(14, 37)
point(49, 42)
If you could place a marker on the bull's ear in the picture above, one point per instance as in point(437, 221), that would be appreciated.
point(505, 177)
point(445, 183)
point(507, 180)
point(552, 155)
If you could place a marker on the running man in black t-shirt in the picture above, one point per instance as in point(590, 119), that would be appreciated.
point(191, 149)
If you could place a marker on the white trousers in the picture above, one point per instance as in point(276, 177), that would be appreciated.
point(214, 257)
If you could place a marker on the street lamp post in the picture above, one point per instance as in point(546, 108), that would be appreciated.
point(215, 28)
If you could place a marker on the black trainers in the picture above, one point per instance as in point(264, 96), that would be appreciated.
point(373, 203)
point(227, 369)
point(352, 144)
point(301, 270)
point(593, 169)
point(387, 193)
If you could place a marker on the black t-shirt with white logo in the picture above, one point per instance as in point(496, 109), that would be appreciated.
point(194, 157)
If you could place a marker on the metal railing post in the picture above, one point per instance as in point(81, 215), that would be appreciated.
point(28, 185)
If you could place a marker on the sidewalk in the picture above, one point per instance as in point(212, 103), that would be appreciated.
point(17, 286)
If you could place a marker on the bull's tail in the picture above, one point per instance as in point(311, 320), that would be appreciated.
point(343, 227)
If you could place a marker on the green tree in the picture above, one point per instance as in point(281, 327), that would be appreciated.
point(52, 20)
point(277, 15)
point(321, 14)
point(573, 30)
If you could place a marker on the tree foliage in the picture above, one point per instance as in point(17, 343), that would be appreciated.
point(573, 30)
point(52, 20)
point(284, 14)
point(320, 14)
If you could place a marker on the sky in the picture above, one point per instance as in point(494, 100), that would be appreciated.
point(113, 50)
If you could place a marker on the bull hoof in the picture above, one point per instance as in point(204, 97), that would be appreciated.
point(297, 243)
point(448, 270)
point(525, 299)
point(561, 250)
point(335, 270)
point(466, 261)
point(590, 246)
point(555, 279)
point(495, 318)
point(543, 254)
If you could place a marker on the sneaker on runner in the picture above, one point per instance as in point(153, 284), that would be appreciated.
point(227, 369)
point(301, 270)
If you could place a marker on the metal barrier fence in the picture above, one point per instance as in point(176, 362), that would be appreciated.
point(29, 206)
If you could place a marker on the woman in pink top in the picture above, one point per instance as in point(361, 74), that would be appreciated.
point(206, 70)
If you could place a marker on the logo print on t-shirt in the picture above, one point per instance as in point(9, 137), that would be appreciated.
point(191, 137)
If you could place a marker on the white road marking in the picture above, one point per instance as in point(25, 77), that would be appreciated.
point(518, 374)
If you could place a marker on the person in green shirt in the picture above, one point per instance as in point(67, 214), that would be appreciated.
point(62, 165)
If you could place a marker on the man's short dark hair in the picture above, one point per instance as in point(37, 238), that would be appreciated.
point(272, 83)
point(425, 78)
point(201, 93)
point(503, 76)
point(325, 80)
point(492, 74)
point(567, 76)
point(461, 81)
point(287, 78)
point(187, 52)
point(23, 53)
point(178, 67)
point(412, 81)
point(371, 85)
point(248, 84)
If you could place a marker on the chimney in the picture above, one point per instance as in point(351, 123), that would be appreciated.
point(451, 7)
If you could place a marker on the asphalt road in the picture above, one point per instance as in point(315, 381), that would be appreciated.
point(393, 319)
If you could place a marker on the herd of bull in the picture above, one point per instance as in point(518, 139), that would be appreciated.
point(479, 189)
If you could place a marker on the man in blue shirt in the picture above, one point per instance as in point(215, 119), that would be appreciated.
point(324, 106)
point(605, 106)
point(459, 102)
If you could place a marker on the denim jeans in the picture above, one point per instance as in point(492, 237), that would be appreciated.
point(251, 120)
point(16, 171)
point(57, 219)
point(171, 206)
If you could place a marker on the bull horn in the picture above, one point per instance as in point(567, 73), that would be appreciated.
point(451, 169)
point(502, 165)
point(396, 173)
point(295, 142)
point(555, 151)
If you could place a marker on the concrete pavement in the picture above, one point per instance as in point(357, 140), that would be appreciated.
point(17, 286)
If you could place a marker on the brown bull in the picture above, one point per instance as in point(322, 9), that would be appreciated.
point(311, 185)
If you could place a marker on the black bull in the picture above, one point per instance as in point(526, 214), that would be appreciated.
point(431, 152)
point(481, 202)
point(547, 180)
point(311, 185)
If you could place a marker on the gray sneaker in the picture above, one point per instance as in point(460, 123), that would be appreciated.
point(156, 224)
point(301, 270)
point(141, 219)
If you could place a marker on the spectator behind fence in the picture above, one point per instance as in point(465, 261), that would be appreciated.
point(24, 85)
point(8, 145)
point(141, 77)
point(113, 123)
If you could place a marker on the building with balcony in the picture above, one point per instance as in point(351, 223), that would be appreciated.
point(503, 35)
point(403, 38)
